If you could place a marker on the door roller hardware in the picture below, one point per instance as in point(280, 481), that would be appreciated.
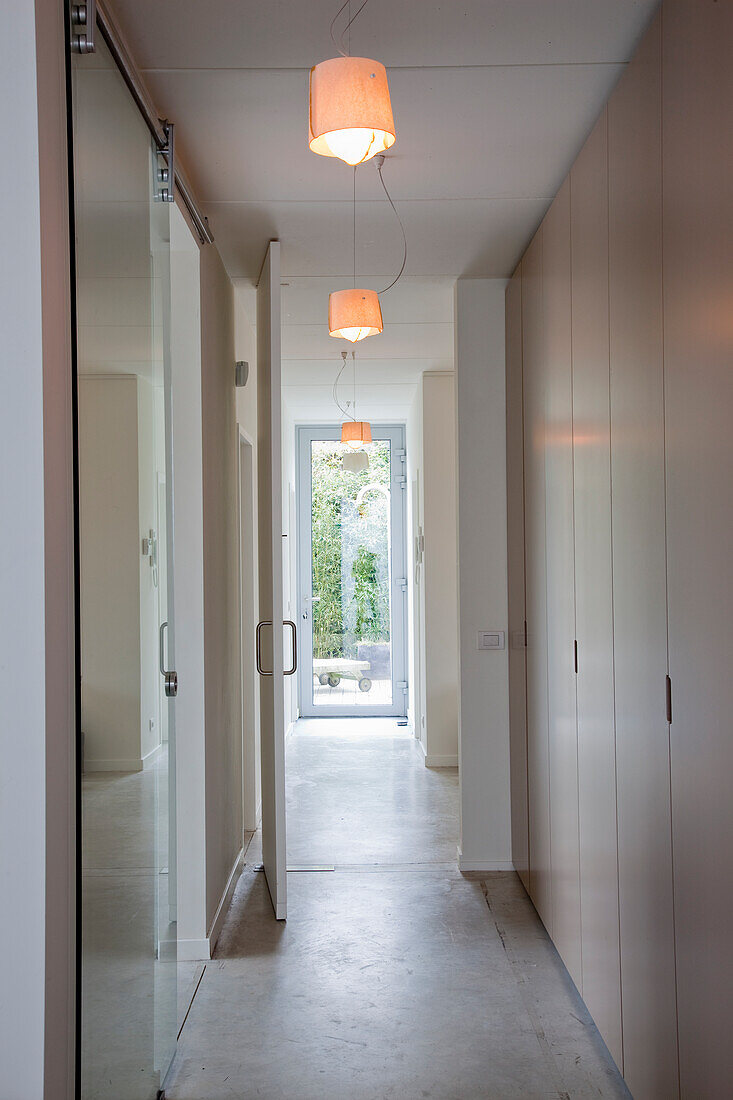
point(83, 26)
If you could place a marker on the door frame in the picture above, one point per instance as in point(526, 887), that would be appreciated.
point(246, 528)
point(395, 433)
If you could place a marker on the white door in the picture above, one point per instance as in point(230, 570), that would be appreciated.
point(270, 629)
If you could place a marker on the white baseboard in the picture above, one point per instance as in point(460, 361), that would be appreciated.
point(193, 950)
point(134, 764)
point(467, 864)
point(200, 950)
point(150, 757)
point(434, 760)
point(289, 730)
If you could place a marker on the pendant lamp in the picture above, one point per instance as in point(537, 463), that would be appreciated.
point(354, 314)
point(350, 109)
point(355, 433)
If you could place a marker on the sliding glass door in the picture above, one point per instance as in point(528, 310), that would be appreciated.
point(352, 580)
point(127, 766)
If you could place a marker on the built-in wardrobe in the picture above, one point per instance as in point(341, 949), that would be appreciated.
point(620, 520)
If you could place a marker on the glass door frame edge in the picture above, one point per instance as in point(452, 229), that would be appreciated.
point(396, 434)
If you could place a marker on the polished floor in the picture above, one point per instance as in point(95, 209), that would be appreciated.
point(394, 976)
point(128, 956)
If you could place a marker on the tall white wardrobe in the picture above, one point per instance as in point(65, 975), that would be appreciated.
point(620, 493)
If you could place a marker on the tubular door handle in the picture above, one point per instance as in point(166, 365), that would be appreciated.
point(258, 647)
point(293, 627)
point(170, 676)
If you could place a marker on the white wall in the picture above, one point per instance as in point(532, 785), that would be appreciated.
point(482, 574)
point(223, 709)
point(415, 585)
point(36, 592)
point(245, 344)
point(432, 591)
point(439, 568)
point(22, 649)
point(109, 486)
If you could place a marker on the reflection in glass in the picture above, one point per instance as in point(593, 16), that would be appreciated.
point(350, 528)
point(128, 887)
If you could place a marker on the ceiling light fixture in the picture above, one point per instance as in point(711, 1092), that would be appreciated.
point(354, 433)
point(355, 313)
point(350, 114)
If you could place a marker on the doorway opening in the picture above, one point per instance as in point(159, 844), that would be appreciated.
point(352, 589)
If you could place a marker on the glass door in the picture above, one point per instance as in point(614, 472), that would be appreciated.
point(352, 579)
point(127, 899)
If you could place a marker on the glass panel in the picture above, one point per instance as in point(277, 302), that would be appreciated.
point(350, 569)
point(128, 886)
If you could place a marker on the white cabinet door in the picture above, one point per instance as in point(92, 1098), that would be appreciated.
point(515, 557)
point(593, 588)
point(561, 702)
point(540, 886)
point(639, 577)
point(698, 368)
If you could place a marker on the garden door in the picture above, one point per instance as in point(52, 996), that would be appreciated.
point(352, 573)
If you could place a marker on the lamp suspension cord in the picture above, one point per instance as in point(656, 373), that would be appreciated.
point(354, 241)
point(380, 161)
point(339, 42)
point(342, 410)
point(353, 360)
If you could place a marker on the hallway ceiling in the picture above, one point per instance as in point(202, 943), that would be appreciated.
point(492, 100)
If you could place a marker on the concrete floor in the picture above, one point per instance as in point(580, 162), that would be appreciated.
point(394, 976)
point(129, 971)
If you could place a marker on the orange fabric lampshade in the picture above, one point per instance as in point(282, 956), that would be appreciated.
point(354, 314)
point(356, 433)
point(350, 109)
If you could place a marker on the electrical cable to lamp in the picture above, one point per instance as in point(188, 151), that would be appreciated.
point(343, 50)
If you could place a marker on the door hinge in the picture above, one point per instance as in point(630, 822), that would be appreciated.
point(401, 480)
point(575, 654)
point(165, 166)
point(668, 693)
point(83, 26)
point(402, 685)
point(402, 582)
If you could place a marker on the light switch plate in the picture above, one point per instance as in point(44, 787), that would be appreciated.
point(491, 639)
